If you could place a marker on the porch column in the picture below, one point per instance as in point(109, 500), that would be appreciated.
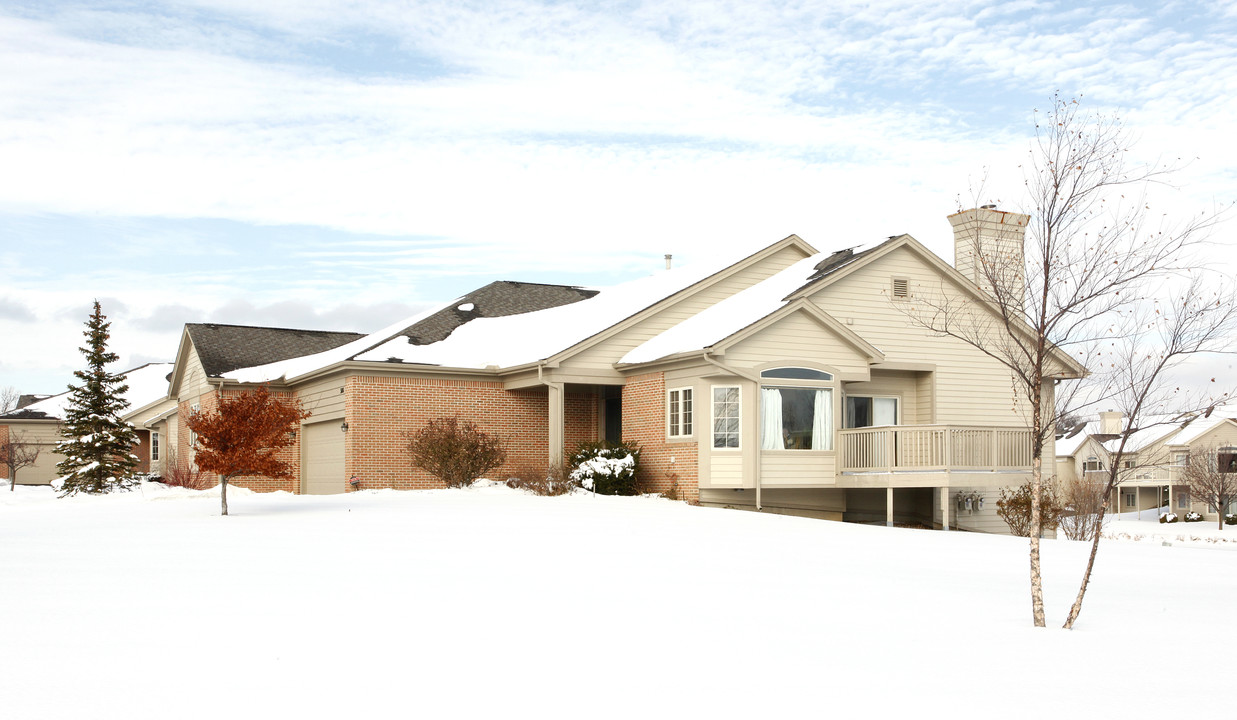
point(889, 507)
point(945, 508)
point(554, 397)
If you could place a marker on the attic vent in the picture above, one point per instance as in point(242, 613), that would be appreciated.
point(900, 288)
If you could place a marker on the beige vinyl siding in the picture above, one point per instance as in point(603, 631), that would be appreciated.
point(46, 435)
point(904, 385)
point(982, 519)
point(602, 356)
point(797, 338)
point(725, 470)
point(803, 468)
point(193, 382)
point(323, 398)
point(970, 388)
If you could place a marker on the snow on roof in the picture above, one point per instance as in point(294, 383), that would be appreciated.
point(147, 384)
point(729, 316)
point(506, 341)
point(1197, 428)
point(520, 339)
point(1069, 444)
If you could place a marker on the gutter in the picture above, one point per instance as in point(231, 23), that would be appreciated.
point(707, 356)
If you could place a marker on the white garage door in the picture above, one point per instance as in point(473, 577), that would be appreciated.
point(323, 470)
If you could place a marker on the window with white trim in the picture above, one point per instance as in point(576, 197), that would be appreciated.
point(726, 407)
point(154, 444)
point(796, 409)
point(1092, 464)
point(864, 411)
point(1130, 499)
point(679, 413)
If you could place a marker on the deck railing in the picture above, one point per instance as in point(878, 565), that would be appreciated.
point(934, 448)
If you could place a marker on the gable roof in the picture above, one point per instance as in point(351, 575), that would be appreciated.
point(574, 318)
point(223, 348)
point(728, 318)
point(833, 271)
point(147, 384)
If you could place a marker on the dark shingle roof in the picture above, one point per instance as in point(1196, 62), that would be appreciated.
point(28, 415)
point(497, 299)
point(224, 348)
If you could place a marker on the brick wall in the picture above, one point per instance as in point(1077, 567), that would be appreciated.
point(142, 450)
point(581, 420)
point(4, 438)
point(259, 483)
point(644, 420)
point(381, 411)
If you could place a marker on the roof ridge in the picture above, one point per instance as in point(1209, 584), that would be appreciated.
point(269, 327)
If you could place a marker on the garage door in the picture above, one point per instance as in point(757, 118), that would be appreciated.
point(323, 470)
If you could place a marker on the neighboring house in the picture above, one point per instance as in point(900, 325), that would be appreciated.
point(1154, 456)
point(789, 380)
point(39, 422)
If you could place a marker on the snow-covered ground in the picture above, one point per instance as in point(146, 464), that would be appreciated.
point(487, 602)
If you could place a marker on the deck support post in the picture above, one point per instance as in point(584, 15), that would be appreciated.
point(889, 507)
point(945, 508)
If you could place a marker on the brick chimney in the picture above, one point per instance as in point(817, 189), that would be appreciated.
point(988, 245)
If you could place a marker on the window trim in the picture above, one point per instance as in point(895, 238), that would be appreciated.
point(674, 431)
point(897, 420)
point(833, 385)
point(154, 445)
point(713, 418)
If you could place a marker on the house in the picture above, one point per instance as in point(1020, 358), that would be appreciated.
point(787, 380)
point(39, 422)
point(1153, 459)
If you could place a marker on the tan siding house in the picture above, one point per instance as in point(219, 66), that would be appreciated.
point(786, 381)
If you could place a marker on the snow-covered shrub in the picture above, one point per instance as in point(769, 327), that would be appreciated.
point(549, 482)
point(455, 452)
point(607, 469)
point(1230, 519)
point(1193, 517)
point(1168, 518)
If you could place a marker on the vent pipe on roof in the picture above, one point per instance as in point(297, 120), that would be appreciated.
point(668, 257)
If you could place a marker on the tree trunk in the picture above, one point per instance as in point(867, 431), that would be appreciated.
point(1037, 585)
point(223, 492)
point(1076, 608)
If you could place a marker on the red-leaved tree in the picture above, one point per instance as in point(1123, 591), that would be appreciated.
point(243, 436)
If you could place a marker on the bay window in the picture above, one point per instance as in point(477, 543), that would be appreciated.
point(796, 412)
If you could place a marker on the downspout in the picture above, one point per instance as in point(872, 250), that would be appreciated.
point(707, 356)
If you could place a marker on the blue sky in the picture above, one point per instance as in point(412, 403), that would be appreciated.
point(338, 165)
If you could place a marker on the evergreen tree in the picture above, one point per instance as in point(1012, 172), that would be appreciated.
point(98, 445)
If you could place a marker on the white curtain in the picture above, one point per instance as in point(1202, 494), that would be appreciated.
point(885, 411)
point(771, 419)
point(822, 421)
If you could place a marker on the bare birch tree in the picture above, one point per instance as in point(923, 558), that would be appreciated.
point(1091, 251)
point(1137, 366)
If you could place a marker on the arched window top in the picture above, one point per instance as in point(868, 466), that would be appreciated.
point(796, 373)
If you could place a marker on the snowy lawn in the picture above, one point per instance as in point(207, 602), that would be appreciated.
point(489, 602)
